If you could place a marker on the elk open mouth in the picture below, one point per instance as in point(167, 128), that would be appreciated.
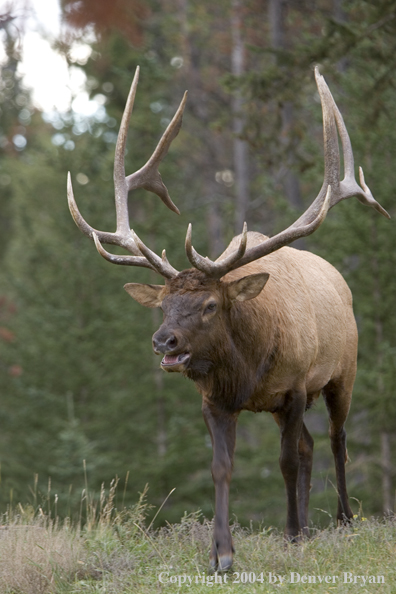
point(175, 362)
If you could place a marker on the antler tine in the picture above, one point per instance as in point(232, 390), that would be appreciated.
point(330, 140)
point(331, 155)
point(307, 223)
point(222, 265)
point(348, 186)
point(148, 177)
point(287, 236)
point(332, 191)
point(124, 260)
point(368, 198)
point(158, 264)
point(120, 184)
point(122, 236)
point(105, 237)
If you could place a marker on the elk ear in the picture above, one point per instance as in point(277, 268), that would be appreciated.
point(247, 287)
point(147, 295)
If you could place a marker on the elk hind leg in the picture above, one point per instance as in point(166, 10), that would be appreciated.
point(290, 422)
point(305, 452)
point(338, 400)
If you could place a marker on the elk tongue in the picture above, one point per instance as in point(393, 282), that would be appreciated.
point(174, 359)
point(170, 359)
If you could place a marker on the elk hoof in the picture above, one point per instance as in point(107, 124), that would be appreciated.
point(292, 538)
point(221, 557)
point(221, 562)
point(305, 532)
point(344, 521)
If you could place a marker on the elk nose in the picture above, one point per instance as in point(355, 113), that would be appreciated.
point(164, 343)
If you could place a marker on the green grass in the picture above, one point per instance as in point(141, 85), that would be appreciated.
point(117, 552)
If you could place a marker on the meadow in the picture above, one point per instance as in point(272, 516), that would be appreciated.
point(119, 552)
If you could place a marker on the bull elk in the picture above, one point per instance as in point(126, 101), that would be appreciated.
point(263, 328)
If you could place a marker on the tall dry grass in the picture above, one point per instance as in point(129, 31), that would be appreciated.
point(37, 555)
point(43, 555)
point(113, 551)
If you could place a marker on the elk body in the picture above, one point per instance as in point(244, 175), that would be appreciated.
point(263, 328)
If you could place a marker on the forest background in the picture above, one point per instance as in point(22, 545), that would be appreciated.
point(78, 378)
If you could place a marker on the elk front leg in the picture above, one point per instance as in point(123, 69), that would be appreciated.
point(222, 429)
point(290, 421)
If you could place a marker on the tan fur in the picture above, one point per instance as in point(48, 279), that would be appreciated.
point(308, 301)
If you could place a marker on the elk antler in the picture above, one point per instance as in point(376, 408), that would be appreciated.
point(149, 178)
point(332, 191)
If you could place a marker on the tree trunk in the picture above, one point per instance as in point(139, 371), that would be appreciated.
point(340, 17)
point(215, 226)
point(241, 155)
point(198, 105)
point(386, 463)
point(291, 184)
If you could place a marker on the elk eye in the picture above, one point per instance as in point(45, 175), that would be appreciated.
point(211, 307)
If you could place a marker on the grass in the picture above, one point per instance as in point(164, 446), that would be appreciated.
point(117, 552)
point(36, 554)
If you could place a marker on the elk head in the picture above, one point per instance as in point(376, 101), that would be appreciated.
point(199, 300)
point(196, 317)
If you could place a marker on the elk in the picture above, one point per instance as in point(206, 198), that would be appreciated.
point(265, 327)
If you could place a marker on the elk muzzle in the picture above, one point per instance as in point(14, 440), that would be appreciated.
point(170, 343)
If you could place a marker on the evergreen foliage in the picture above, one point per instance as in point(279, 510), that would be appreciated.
point(77, 375)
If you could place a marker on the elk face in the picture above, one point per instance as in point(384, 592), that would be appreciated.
point(195, 328)
point(191, 322)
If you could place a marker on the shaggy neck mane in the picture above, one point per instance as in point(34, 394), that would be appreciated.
point(241, 366)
